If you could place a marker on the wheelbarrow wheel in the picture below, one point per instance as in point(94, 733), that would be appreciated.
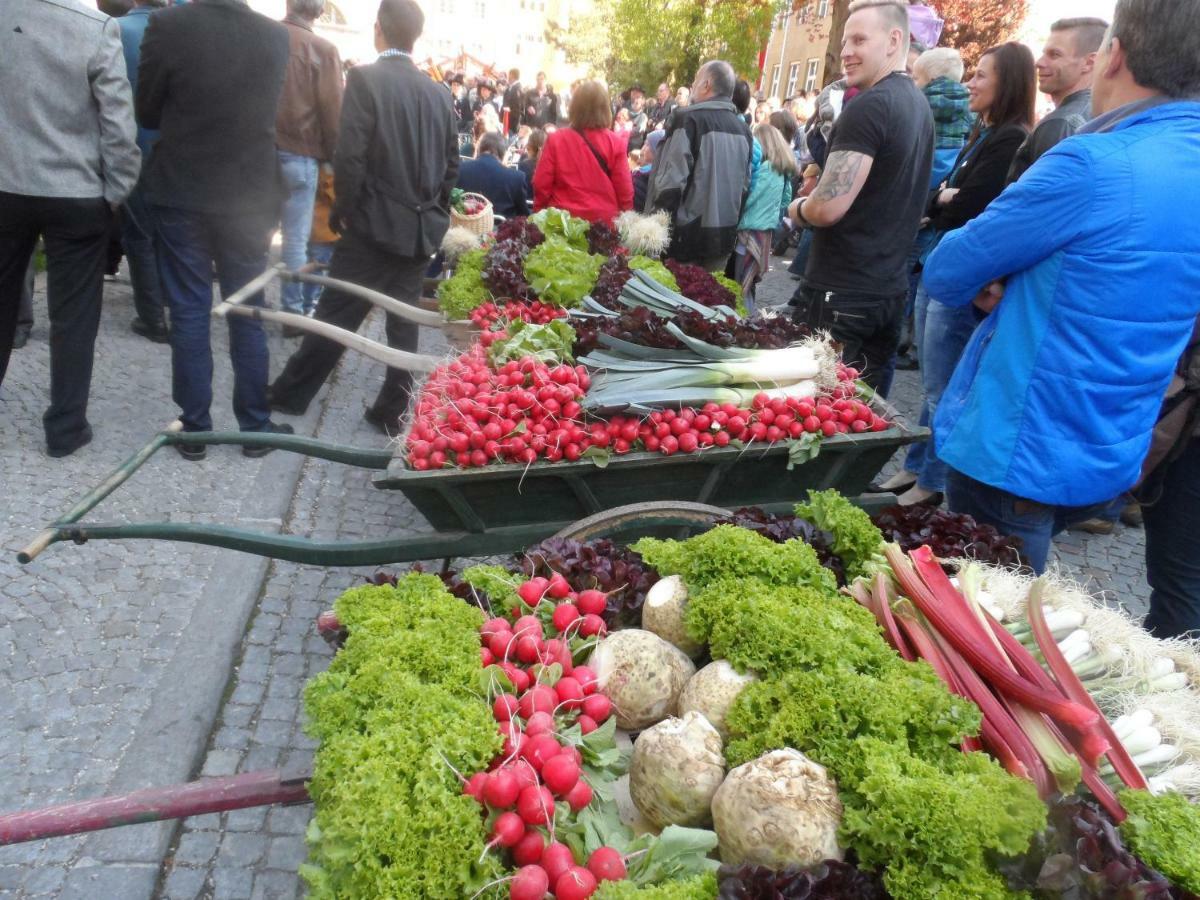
point(643, 517)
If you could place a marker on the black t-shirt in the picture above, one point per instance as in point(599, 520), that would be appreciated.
point(867, 251)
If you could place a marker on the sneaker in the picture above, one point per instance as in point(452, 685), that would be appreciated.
point(1094, 525)
point(272, 428)
point(192, 452)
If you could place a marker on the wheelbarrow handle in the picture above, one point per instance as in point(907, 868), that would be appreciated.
point(396, 359)
point(401, 310)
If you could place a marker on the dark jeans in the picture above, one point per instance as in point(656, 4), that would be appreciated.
point(1173, 549)
point(363, 262)
point(25, 306)
point(1034, 523)
point(137, 237)
point(800, 260)
point(75, 233)
point(189, 243)
point(868, 328)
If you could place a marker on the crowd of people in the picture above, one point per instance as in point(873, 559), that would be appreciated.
point(1046, 274)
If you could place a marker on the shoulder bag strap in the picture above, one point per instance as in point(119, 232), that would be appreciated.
point(596, 153)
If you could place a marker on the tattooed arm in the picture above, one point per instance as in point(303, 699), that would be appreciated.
point(843, 178)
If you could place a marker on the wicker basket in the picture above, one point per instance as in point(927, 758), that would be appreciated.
point(480, 223)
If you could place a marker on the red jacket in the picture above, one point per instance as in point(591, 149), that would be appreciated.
point(568, 175)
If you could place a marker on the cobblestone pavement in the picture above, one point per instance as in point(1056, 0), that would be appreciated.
point(255, 853)
point(114, 655)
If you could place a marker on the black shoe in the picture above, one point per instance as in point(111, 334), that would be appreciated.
point(85, 438)
point(20, 337)
point(272, 428)
point(280, 405)
point(907, 363)
point(379, 422)
point(157, 333)
point(192, 452)
point(876, 487)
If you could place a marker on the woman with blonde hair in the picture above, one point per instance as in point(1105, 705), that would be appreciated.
point(582, 168)
point(770, 193)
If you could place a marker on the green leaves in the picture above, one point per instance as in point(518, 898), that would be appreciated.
point(464, 290)
point(549, 343)
point(855, 538)
point(1164, 831)
point(558, 223)
point(561, 274)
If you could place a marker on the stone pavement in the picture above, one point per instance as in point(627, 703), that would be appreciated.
point(114, 656)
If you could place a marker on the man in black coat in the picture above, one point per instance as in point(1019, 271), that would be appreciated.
point(209, 79)
point(514, 102)
point(395, 164)
point(486, 174)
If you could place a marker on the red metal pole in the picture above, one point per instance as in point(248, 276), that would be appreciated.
point(155, 804)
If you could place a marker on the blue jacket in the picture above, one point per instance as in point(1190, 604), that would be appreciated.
point(133, 28)
point(1055, 396)
point(505, 187)
point(770, 193)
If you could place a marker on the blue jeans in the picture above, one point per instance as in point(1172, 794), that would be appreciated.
point(137, 237)
point(300, 184)
point(1034, 523)
point(189, 243)
point(311, 293)
point(1173, 549)
point(800, 261)
point(942, 333)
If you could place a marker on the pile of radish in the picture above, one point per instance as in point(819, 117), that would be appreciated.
point(488, 315)
point(471, 415)
point(536, 770)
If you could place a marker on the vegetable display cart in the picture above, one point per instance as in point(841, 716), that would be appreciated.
point(496, 509)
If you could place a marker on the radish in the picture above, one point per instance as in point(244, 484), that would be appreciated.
point(539, 698)
point(529, 849)
point(561, 773)
point(593, 602)
point(486, 657)
point(507, 830)
point(557, 859)
point(504, 707)
point(501, 789)
point(530, 883)
point(529, 648)
point(518, 676)
point(586, 724)
point(531, 592)
point(500, 644)
point(586, 676)
point(535, 806)
point(570, 692)
point(579, 796)
point(559, 588)
point(495, 626)
point(541, 748)
point(607, 864)
point(529, 625)
point(597, 707)
point(473, 786)
point(564, 615)
point(577, 883)
point(593, 625)
point(540, 723)
point(523, 772)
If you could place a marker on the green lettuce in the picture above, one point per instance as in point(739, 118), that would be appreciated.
point(855, 538)
point(464, 290)
point(655, 270)
point(549, 343)
point(561, 274)
point(558, 223)
point(1164, 831)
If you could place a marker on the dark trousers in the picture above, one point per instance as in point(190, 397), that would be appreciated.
point(25, 306)
point(1173, 549)
point(137, 237)
point(1034, 523)
point(362, 262)
point(75, 233)
point(868, 328)
point(188, 244)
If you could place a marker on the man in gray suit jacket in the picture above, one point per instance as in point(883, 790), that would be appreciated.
point(395, 165)
point(69, 160)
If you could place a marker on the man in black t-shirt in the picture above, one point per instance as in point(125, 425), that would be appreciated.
point(867, 207)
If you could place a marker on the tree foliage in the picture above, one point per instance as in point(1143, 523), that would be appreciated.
point(972, 26)
point(649, 41)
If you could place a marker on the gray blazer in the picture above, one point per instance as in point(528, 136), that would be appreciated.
point(65, 103)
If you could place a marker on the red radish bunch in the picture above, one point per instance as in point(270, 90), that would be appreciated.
point(535, 770)
point(487, 315)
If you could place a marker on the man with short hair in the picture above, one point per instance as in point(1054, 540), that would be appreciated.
point(1050, 411)
point(514, 102)
point(395, 165)
point(661, 108)
point(541, 104)
point(702, 170)
point(1065, 71)
point(67, 141)
point(306, 127)
point(209, 80)
point(462, 104)
point(486, 174)
point(867, 207)
point(137, 222)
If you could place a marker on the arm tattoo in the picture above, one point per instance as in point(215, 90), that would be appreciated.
point(838, 179)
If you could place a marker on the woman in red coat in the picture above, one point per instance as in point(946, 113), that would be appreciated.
point(583, 168)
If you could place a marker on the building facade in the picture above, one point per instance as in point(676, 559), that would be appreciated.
point(795, 56)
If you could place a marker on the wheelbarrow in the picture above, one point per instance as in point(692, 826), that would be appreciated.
point(496, 509)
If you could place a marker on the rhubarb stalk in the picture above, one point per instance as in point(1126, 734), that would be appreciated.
point(1122, 762)
point(883, 612)
point(939, 602)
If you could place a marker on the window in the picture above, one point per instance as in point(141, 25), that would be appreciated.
point(810, 77)
point(822, 9)
point(775, 81)
point(793, 74)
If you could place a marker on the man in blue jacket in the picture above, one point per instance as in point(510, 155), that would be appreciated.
point(1050, 410)
point(488, 176)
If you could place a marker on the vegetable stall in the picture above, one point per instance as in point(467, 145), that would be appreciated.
point(813, 711)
